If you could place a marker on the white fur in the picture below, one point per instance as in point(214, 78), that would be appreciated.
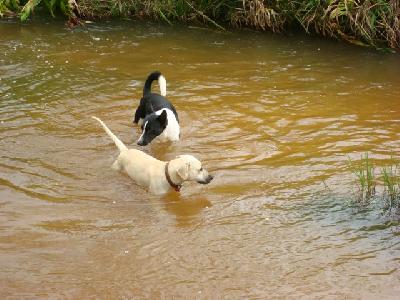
point(163, 85)
point(120, 145)
point(149, 172)
point(144, 128)
point(172, 131)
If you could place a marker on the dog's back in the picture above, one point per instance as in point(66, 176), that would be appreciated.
point(138, 165)
point(152, 102)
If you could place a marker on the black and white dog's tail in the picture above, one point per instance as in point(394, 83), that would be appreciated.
point(161, 82)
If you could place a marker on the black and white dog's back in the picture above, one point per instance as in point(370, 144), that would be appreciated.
point(155, 114)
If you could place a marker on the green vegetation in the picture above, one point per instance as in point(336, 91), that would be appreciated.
point(366, 182)
point(391, 182)
point(371, 22)
point(26, 8)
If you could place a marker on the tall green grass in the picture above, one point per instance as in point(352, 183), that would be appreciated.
point(367, 179)
point(364, 171)
point(391, 182)
point(369, 22)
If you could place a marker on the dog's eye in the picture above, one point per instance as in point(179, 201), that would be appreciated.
point(201, 169)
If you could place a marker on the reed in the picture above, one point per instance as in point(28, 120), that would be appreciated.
point(369, 22)
point(366, 182)
point(372, 22)
point(391, 182)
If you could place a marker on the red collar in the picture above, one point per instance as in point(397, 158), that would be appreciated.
point(176, 187)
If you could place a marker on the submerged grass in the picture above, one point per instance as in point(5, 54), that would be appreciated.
point(371, 22)
point(391, 182)
point(366, 182)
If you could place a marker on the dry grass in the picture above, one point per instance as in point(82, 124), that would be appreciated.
point(372, 22)
point(258, 14)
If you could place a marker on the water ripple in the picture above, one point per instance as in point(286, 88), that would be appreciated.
point(274, 119)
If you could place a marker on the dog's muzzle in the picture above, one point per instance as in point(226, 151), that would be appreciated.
point(207, 180)
point(141, 143)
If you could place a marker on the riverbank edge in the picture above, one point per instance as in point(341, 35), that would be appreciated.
point(374, 23)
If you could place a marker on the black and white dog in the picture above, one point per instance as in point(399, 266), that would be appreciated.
point(155, 114)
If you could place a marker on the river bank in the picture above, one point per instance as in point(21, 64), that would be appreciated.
point(374, 23)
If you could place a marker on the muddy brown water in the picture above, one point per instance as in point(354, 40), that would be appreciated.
point(274, 118)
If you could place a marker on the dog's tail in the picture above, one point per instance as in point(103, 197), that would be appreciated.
point(161, 82)
point(120, 145)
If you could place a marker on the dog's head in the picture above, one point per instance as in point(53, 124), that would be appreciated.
point(153, 125)
point(190, 169)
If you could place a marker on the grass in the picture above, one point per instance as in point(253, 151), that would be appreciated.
point(391, 182)
point(25, 8)
point(366, 182)
point(373, 22)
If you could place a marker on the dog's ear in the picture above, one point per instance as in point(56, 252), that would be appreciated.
point(183, 171)
point(163, 119)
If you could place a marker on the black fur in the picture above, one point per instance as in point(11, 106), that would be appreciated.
point(149, 104)
point(155, 126)
point(152, 102)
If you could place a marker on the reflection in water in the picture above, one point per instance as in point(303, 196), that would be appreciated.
point(186, 211)
point(273, 118)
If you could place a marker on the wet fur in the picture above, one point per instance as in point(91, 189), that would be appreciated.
point(149, 172)
point(157, 112)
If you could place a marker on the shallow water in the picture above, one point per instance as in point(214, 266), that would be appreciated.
point(274, 118)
